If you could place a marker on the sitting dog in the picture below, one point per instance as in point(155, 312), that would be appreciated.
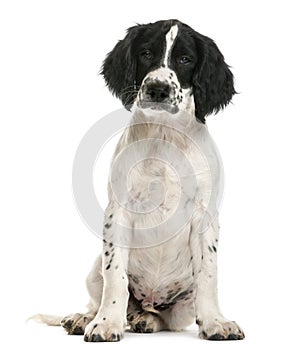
point(158, 268)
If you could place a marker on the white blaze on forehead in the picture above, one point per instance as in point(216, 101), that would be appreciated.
point(170, 38)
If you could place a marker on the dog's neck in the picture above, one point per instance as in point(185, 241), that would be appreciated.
point(160, 125)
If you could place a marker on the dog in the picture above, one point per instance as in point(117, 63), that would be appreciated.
point(158, 268)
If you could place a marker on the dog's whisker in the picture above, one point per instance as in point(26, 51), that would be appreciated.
point(129, 99)
point(130, 91)
point(134, 87)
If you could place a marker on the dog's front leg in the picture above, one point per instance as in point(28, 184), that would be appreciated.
point(212, 324)
point(110, 321)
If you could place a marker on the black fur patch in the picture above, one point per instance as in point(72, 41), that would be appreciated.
point(142, 51)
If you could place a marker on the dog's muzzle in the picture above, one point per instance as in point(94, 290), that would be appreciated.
point(157, 91)
point(158, 95)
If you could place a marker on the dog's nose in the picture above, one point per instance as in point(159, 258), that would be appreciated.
point(157, 91)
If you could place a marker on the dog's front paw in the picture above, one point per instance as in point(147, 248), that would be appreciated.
point(103, 331)
point(220, 329)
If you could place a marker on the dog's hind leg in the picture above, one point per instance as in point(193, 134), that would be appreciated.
point(76, 323)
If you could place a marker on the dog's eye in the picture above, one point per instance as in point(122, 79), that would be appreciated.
point(184, 60)
point(146, 54)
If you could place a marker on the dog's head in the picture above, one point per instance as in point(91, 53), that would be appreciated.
point(168, 66)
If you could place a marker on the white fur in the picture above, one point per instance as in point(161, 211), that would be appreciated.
point(170, 39)
point(158, 266)
point(135, 215)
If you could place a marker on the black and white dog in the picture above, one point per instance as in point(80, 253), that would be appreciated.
point(156, 272)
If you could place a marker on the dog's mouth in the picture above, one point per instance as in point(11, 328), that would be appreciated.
point(158, 106)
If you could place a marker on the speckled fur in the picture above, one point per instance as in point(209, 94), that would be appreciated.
point(175, 280)
point(173, 283)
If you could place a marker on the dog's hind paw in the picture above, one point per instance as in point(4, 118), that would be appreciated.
point(144, 323)
point(76, 323)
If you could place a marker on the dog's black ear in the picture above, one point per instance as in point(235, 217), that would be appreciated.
point(213, 82)
point(119, 69)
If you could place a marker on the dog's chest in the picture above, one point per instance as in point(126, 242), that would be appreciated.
point(160, 168)
point(161, 276)
point(160, 184)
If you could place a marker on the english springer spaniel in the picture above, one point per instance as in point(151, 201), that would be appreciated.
point(158, 268)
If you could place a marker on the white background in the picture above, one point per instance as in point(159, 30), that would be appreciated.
point(51, 94)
